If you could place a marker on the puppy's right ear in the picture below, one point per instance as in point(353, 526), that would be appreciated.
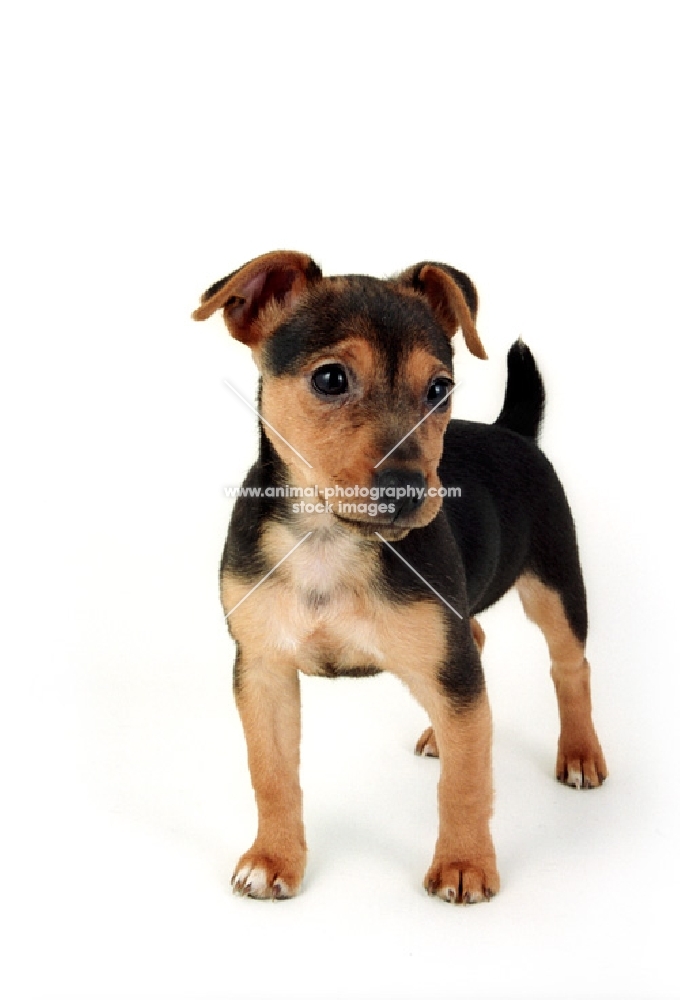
point(254, 298)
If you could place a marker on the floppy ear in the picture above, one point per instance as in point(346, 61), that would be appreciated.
point(251, 297)
point(452, 298)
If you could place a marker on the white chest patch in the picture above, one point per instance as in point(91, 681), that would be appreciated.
point(321, 602)
point(324, 565)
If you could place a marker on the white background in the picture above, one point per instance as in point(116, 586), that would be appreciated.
point(150, 148)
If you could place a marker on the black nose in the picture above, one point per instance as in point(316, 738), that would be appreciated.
point(404, 489)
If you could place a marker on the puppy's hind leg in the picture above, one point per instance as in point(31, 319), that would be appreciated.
point(580, 761)
point(427, 744)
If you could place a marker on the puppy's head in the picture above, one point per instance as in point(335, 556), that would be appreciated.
point(356, 375)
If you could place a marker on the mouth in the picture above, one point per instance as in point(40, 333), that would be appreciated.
point(391, 530)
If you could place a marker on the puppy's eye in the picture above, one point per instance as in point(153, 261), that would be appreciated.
point(330, 380)
point(439, 390)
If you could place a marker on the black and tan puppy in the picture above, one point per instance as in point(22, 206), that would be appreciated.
point(356, 375)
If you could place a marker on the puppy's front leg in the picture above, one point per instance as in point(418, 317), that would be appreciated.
point(268, 701)
point(427, 744)
point(463, 869)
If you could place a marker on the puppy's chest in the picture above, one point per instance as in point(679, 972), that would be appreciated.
point(322, 605)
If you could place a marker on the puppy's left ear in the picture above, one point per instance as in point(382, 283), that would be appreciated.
point(451, 296)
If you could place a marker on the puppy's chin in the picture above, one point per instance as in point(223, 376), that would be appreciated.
point(368, 529)
point(391, 531)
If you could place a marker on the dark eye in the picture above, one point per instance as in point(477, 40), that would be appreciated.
point(439, 389)
point(330, 380)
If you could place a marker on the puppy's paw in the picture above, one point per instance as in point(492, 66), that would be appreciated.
point(267, 876)
point(458, 881)
point(427, 744)
point(581, 766)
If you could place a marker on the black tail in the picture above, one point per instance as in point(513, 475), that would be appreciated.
point(524, 393)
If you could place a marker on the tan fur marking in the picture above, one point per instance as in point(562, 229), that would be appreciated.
point(463, 868)
point(427, 744)
point(478, 635)
point(268, 702)
point(420, 369)
point(341, 451)
point(580, 761)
